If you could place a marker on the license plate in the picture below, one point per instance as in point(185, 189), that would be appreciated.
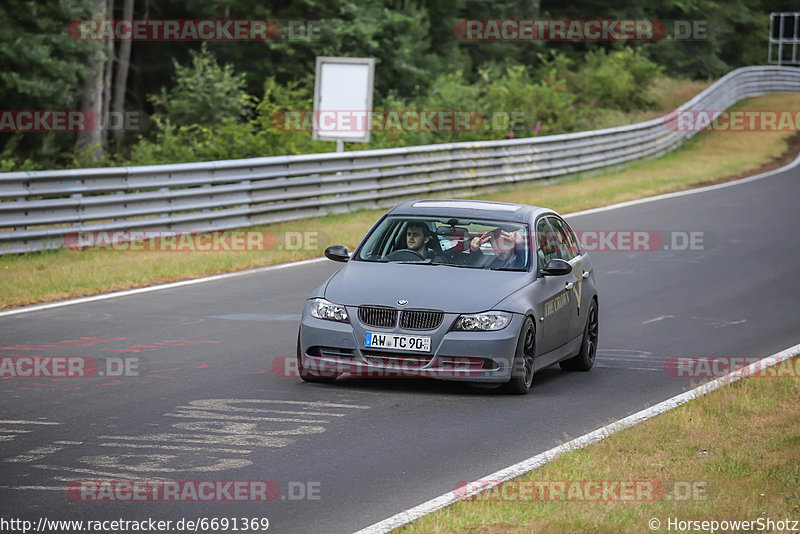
point(398, 341)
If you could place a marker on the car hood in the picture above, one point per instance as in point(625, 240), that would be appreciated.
point(440, 287)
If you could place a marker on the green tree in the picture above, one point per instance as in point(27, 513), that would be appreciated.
point(41, 64)
point(41, 67)
point(204, 93)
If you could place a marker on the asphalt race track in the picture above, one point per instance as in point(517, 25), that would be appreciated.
point(202, 402)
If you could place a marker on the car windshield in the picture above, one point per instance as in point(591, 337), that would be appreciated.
point(468, 243)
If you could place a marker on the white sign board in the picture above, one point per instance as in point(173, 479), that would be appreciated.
point(343, 99)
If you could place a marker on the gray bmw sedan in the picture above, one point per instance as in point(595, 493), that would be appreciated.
point(462, 290)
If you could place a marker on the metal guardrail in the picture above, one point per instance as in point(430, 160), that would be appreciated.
point(38, 209)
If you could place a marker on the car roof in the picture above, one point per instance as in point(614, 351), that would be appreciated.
point(471, 209)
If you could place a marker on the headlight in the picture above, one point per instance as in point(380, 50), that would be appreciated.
point(322, 309)
point(494, 320)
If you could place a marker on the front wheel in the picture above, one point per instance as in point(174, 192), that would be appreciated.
point(522, 368)
point(585, 358)
point(308, 375)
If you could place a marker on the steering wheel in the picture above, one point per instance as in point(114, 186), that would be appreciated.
point(405, 254)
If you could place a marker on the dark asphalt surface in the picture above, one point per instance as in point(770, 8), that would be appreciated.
point(366, 450)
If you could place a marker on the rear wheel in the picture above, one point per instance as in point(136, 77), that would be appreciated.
point(311, 376)
point(522, 368)
point(585, 358)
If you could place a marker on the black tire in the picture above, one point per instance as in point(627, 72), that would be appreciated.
point(586, 356)
point(522, 368)
point(311, 376)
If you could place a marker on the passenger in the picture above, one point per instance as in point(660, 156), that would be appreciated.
point(509, 249)
point(548, 247)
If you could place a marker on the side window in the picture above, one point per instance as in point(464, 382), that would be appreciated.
point(567, 246)
point(557, 239)
point(546, 245)
point(573, 239)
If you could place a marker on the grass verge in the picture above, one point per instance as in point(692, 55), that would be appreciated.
point(729, 455)
point(706, 158)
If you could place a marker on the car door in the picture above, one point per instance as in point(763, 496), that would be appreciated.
point(554, 301)
point(581, 269)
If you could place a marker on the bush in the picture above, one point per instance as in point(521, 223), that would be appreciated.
point(232, 139)
point(512, 99)
point(204, 93)
point(617, 79)
point(547, 106)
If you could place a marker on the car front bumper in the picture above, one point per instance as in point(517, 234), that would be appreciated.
point(332, 348)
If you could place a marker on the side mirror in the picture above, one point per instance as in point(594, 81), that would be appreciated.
point(337, 253)
point(557, 267)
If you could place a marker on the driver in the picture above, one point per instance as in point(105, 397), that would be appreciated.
point(417, 237)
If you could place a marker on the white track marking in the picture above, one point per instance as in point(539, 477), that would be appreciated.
point(137, 291)
point(199, 414)
point(225, 404)
point(226, 431)
point(652, 369)
point(685, 192)
point(173, 447)
point(36, 454)
point(521, 468)
point(83, 472)
point(158, 463)
point(17, 422)
point(47, 488)
point(659, 318)
point(245, 440)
